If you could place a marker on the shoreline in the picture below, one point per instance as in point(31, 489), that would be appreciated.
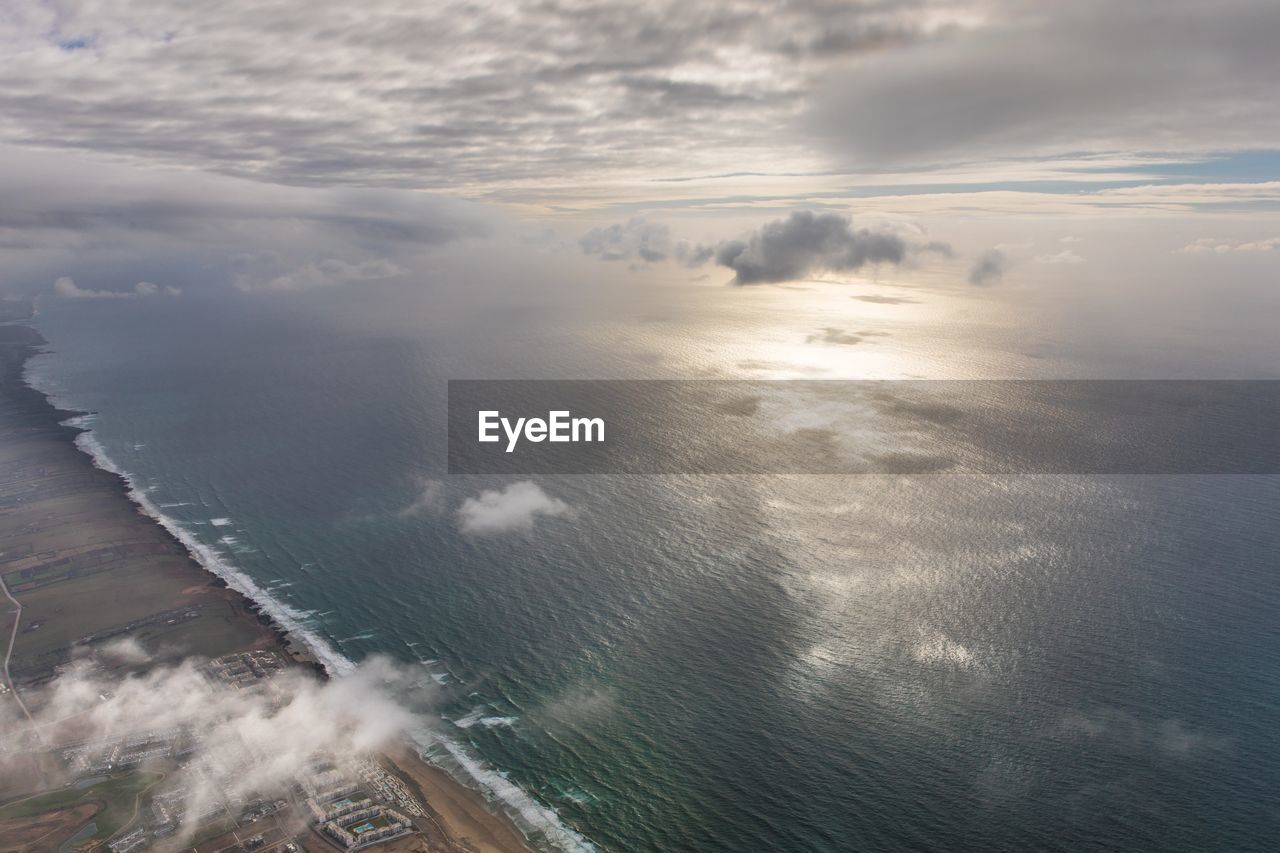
point(293, 638)
point(462, 815)
point(75, 435)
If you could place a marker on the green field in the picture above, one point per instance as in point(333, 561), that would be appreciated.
point(118, 797)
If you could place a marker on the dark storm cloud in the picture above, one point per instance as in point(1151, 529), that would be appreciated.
point(989, 268)
point(1036, 78)
point(806, 243)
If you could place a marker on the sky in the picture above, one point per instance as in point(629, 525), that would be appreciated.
point(152, 150)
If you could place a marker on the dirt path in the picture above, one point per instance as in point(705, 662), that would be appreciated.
point(8, 653)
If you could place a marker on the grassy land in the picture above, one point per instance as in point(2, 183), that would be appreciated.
point(118, 796)
point(77, 553)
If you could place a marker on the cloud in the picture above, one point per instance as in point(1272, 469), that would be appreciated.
point(1031, 80)
point(1066, 256)
point(426, 96)
point(578, 706)
point(806, 243)
point(989, 268)
point(126, 650)
point(936, 247)
point(66, 288)
point(511, 509)
point(638, 239)
point(1222, 247)
point(86, 219)
point(693, 256)
point(327, 272)
point(644, 242)
point(430, 500)
point(877, 299)
point(248, 743)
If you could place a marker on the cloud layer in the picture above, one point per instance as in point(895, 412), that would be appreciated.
point(429, 95)
point(121, 231)
point(1035, 78)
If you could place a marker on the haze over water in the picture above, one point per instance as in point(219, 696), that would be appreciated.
point(783, 663)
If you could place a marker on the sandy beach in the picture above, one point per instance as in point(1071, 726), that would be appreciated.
point(84, 566)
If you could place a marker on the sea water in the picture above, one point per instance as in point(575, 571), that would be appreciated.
point(714, 663)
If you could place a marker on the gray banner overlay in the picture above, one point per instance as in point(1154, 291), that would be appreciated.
point(866, 427)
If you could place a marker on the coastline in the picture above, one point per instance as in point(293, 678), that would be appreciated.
point(74, 467)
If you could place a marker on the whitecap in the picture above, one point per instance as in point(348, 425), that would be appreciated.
point(531, 815)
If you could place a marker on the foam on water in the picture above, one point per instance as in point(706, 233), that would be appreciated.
point(530, 815)
point(477, 716)
point(470, 719)
point(494, 784)
point(289, 618)
point(498, 722)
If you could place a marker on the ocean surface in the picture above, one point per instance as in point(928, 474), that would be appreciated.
point(783, 663)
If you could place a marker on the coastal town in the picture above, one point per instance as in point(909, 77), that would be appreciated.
point(97, 596)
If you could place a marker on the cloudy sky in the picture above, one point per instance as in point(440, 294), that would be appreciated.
point(150, 149)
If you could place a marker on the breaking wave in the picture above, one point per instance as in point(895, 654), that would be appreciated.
point(536, 820)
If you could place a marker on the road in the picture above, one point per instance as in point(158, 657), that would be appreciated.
point(8, 653)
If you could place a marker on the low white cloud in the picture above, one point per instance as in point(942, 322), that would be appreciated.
point(1066, 256)
point(126, 650)
point(577, 706)
point(1213, 245)
point(242, 743)
point(326, 272)
point(430, 500)
point(66, 288)
point(512, 509)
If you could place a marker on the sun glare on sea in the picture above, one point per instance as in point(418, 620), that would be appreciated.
point(860, 331)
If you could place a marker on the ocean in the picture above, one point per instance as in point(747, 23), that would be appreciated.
point(785, 662)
